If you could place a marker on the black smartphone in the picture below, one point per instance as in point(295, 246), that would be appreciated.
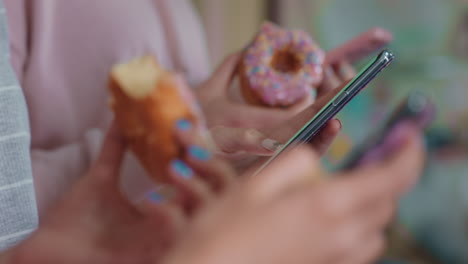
point(362, 79)
point(417, 108)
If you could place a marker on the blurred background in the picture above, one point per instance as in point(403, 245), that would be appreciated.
point(431, 44)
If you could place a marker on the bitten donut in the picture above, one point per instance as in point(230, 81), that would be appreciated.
point(148, 101)
point(280, 67)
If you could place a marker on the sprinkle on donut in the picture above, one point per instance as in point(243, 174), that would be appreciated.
point(282, 66)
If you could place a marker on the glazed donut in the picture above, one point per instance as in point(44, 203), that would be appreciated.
point(280, 67)
point(148, 101)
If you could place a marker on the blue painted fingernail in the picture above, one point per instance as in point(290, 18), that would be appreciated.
point(182, 169)
point(155, 197)
point(199, 153)
point(183, 125)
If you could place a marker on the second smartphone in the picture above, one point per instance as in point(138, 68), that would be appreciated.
point(417, 109)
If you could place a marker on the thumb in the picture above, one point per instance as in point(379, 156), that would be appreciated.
point(225, 72)
point(294, 169)
point(109, 161)
point(235, 140)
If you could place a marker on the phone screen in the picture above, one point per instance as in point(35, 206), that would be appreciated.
point(362, 79)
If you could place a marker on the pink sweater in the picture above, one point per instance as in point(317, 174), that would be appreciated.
point(62, 51)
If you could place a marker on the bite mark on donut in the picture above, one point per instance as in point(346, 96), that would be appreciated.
point(139, 77)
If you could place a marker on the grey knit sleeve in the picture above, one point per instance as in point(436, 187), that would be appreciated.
point(18, 210)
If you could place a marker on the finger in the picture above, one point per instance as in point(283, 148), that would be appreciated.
point(366, 251)
point(345, 71)
point(186, 134)
point(167, 215)
point(156, 207)
point(192, 193)
point(214, 171)
point(295, 124)
point(330, 82)
point(234, 140)
point(390, 178)
point(325, 137)
point(109, 161)
point(304, 103)
point(360, 46)
point(257, 117)
point(226, 71)
point(292, 169)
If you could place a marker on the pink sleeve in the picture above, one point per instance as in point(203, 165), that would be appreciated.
point(70, 160)
point(55, 170)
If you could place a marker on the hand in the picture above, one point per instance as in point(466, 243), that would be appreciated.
point(323, 139)
point(212, 169)
point(285, 216)
point(221, 110)
point(242, 146)
point(95, 223)
point(337, 76)
point(284, 132)
point(245, 145)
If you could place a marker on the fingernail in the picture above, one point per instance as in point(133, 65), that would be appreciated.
point(155, 197)
point(199, 153)
point(182, 169)
point(271, 145)
point(340, 124)
point(183, 125)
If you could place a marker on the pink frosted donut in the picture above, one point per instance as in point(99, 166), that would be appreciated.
point(280, 67)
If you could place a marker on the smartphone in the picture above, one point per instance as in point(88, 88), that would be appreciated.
point(337, 103)
point(417, 108)
point(360, 47)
